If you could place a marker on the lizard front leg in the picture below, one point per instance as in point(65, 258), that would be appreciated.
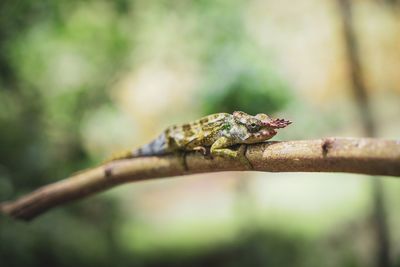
point(219, 148)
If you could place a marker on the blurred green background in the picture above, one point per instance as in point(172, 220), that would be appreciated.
point(82, 79)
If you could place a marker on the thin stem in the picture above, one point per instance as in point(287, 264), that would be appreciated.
point(352, 155)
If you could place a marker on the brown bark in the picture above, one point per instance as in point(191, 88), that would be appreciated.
point(353, 155)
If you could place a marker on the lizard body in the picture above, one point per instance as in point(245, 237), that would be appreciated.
point(216, 132)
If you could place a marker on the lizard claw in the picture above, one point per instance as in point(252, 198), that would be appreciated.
point(201, 149)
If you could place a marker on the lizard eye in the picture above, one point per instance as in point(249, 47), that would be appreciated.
point(253, 127)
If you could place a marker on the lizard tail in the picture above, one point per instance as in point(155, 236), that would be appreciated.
point(126, 154)
point(157, 147)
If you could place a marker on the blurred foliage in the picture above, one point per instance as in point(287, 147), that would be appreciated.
point(41, 108)
point(240, 75)
point(57, 61)
point(247, 89)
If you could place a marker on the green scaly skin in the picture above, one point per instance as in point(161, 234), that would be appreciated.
point(216, 132)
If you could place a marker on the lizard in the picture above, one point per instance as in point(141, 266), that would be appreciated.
point(216, 133)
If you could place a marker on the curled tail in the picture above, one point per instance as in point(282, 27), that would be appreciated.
point(157, 147)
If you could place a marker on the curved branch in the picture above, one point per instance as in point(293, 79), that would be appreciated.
point(364, 156)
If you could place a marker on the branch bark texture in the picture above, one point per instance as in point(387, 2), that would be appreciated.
point(352, 155)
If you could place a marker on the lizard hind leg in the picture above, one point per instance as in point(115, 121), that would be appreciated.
point(200, 149)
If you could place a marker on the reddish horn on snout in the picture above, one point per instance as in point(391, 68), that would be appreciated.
point(277, 123)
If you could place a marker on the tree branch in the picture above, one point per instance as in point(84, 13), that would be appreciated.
point(363, 155)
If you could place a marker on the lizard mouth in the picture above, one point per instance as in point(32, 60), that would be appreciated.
point(265, 133)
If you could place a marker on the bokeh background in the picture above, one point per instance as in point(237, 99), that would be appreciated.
point(82, 79)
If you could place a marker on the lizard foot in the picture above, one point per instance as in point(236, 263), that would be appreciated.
point(201, 149)
point(241, 156)
point(206, 153)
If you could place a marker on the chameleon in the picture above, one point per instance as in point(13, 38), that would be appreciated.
point(215, 133)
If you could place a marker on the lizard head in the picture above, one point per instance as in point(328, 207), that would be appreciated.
point(260, 127)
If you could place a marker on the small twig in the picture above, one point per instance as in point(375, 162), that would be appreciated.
point(364, 156)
